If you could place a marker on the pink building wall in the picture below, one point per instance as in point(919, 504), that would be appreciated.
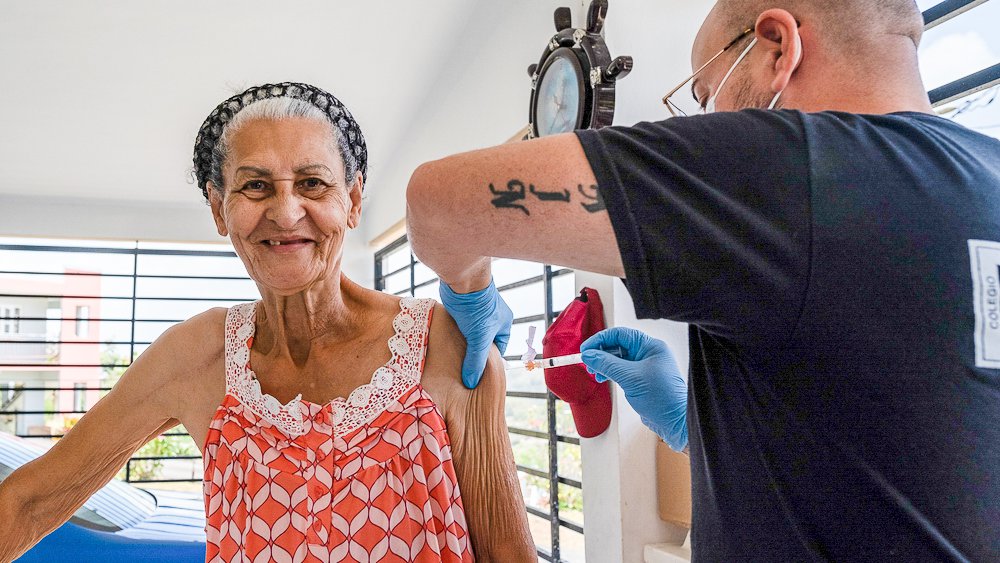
point(70, 291)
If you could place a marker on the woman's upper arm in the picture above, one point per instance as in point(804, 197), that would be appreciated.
point(45, 492)
point(487, 475)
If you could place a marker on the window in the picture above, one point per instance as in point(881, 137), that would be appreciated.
point(91, 307)
point(80, 397)
point(82, 321)
point(546, 446)
point(11, 320)
point(960, 61)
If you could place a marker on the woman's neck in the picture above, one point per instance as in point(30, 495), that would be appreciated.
point(291, 325)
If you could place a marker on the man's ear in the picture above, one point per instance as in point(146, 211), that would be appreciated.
point(778, 35)
point(357, 191)
point(215, 201)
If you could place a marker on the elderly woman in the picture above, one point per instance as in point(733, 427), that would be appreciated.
point(332, 418)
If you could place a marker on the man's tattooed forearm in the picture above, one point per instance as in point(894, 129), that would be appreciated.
point(596, 199)
point(515, 196)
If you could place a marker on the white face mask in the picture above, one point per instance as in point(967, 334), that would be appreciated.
point(710, 104)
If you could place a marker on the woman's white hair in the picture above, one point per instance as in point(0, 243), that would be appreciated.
point(277, 109)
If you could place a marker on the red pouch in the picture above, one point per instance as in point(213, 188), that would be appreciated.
point(589, 401)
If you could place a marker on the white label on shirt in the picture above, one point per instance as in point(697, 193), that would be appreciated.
point(985, 258)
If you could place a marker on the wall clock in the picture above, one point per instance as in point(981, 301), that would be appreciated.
point(573, 84)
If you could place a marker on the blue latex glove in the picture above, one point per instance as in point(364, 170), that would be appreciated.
point(484, 318)
point(648, 375)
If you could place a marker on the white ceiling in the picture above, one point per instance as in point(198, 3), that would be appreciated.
point(102, 99)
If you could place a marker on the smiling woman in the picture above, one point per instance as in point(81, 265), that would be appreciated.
point(331, 418)
point(264, 205)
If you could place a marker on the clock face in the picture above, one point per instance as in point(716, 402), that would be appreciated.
point(559, 105)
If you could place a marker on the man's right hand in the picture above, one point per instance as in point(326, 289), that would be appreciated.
point(648, 375)
point(484, 319)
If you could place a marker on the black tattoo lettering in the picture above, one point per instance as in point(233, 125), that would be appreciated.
point(550, 196)
point(507, 198)
point(596, 198)
point(515, 194)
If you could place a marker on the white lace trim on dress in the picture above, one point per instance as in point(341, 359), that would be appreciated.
point(388, 383)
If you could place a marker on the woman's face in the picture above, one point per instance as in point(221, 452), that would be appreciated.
point(286, 204)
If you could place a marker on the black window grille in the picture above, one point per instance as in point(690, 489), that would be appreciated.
point(537, 420)
point(974, 90)
point(86, 310)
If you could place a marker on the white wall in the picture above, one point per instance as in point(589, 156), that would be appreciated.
point(86, 218)
point(481, 99)
point(483, 86)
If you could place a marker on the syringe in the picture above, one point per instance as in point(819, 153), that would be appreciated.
point(567, 360)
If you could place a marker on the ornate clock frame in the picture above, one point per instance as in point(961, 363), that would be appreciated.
point(598, 71)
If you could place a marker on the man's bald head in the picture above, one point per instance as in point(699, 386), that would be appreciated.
point(856, 56)
point(846, 24)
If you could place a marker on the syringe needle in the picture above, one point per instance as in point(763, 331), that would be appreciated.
point(567, 360)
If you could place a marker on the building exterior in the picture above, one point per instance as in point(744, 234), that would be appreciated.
point(49, 337)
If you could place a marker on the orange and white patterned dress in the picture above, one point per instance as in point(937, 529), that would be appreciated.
point(369, 478)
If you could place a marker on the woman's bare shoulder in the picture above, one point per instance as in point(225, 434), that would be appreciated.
point(445, 340)
point(181, 373)
point(442, 375)
point(201, 338)
point(445, 350)
point(185, 352)
point(377, 302)
point(443, 368)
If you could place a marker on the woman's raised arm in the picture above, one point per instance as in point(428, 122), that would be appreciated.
point(41, 495)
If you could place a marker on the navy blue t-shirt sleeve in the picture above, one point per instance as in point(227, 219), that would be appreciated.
point(712, 217)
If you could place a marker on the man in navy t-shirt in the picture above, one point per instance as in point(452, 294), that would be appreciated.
point(838, 261)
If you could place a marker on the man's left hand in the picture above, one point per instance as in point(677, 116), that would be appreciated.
point(484, 319)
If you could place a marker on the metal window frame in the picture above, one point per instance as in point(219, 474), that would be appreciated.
point(984, 79)
point(11, 392)
point(552, 436)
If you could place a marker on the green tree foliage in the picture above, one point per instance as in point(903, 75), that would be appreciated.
point(110, 357)
point(533, 452)
point(161, 446)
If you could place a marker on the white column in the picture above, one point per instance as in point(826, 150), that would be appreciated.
point(619, 469)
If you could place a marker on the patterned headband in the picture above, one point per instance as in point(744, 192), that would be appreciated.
point(211, 130)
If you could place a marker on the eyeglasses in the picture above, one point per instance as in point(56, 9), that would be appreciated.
point(683, 108)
